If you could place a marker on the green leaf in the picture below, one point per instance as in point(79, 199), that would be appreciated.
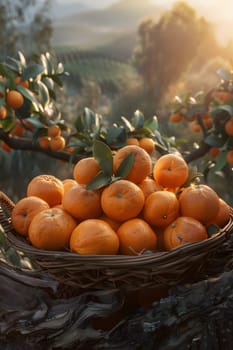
point(138, 119)
point(3, 70)
point(43, 92)
point(129, 127)
point(99, 181)
point(151, 124)
point(89, 118)
point(220, 161)
point(32, 71)
point(125, 166)
point(114, 132)
point(215, 140)
point(226, 108)
point(48, 82)
point(22, 58)
point(60, 68)
point(35, 122)
point(103, 154)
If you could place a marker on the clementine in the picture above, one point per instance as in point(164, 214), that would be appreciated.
point(223, 214)
point(51, 229)
point(229, 156)
point(14, 99)
point(57, 143)
point(132, 141)
point(47, 187)
point(161, 208)
point(136, 235)
point(24, 211)
point(85, 170)
point(3, 112)
point(200, 202)
point(170, 171)
point(82, 203)
point(148, 186)
point(54, 131)
point(122, 200)
point(183, 230)
point(147, 144)
point(44, 142)
point(142, 164)
point(94, 236)
point(67, 183)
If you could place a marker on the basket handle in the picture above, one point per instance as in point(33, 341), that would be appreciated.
point(7, 204)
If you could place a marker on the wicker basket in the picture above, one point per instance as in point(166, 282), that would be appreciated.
point(152, 269)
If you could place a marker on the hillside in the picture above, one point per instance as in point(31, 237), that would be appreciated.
point(91, 29)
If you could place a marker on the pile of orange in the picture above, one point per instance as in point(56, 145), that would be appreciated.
point(153, 208)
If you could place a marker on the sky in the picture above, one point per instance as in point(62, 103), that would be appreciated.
point(218, 12)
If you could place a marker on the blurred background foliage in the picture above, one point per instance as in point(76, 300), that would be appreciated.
point(168, 53)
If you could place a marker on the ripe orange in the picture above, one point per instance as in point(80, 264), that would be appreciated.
point(161, 208)
point(54, 131)
point(176, 117)
point(148, 186)
point(136, 235)
point(3, 112)
point(5, 147)
point(170, 171)
point(68, 183)
point(122, 200)
point(14, 99)
point(214, 151)
point(208, 122)
point(82, 203)
point(51, 229)
point(200, 202)
point(223, 214)
point(229, 127)
point(229, 157)
point(132, 141)
point(47, 187)
point(195, 127)
point(24, 211)
point(85, 170)
point(19, 81)
point(18, 130)
point(142, 165)
point(94, 236)
point(147, 144)
point(183, 230)
point(57, 143)
point(44, 142)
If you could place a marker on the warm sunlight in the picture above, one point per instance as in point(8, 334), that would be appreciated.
point(216, 11)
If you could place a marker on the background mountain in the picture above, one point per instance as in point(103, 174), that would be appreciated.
point(86, 28)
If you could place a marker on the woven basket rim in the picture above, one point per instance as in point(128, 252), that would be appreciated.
point(159, 257)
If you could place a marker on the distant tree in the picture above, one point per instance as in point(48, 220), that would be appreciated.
point(25, 26)
point(165, 49)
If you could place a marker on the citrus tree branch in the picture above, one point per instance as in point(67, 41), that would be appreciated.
point(197, 153)
point(24, 143)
